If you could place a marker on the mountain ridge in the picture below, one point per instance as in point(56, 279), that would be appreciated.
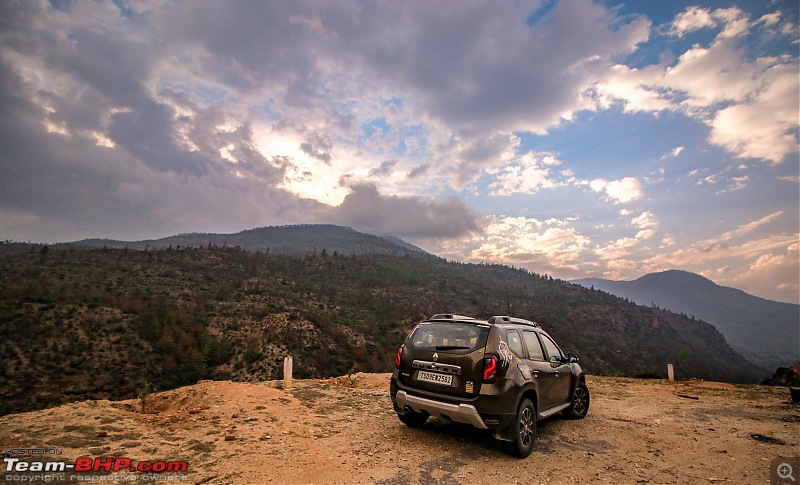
point(106, 323)
point(766, 332)
point(291, 239)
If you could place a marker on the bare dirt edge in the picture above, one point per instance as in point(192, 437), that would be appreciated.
point(343, 430)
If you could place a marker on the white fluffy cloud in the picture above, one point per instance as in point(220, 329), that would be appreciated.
point(694, 18)
point(750, 105)
point(542, 245)
point(526, 175)
point(763, 127)
point(618, 191)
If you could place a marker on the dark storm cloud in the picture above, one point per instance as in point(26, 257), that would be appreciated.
point(367, 210)
point(111, 116)
point(147, 134)
point(474, 65)
point(60, 186)
point(478, 67)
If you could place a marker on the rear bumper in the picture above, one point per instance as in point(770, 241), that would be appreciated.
point(459, 413)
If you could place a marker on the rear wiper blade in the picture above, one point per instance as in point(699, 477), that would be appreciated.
point(452, 347)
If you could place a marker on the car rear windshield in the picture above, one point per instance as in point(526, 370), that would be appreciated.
point(456, 337)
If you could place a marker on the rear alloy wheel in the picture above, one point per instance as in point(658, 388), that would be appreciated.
point(413, 419)
point(580, 402)
point(525, 429)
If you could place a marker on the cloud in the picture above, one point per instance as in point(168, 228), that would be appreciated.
point(748, 227)
point(550, 245)
point(694, 18)
point(750, 104)
point(365, 209)
point(638, 90)
point(764, 127)
point(616, 250)
point(647, 224)
point(618, 191)
point(771, 269)
point(527, 175)
point(419, 171)
point(318, 147)
point(384, 169)
point(703, 253)
point(677, 151)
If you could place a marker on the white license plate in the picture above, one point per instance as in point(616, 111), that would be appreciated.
point(432, 377)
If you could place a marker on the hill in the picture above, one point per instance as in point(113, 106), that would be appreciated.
point(765, 332)
point(288, 240)
point(344, 431)
point(105, 324)
point(291, 240)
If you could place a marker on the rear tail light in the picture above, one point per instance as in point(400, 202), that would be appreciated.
point(397, 360)
point(489, 368)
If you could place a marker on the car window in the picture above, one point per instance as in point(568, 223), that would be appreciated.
point(514, 342)
point(551, 347)
point(449, 336)
point(534, 347)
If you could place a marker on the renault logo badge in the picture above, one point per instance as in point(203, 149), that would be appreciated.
point(435, 356)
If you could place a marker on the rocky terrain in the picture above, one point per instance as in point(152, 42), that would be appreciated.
point(343, 430)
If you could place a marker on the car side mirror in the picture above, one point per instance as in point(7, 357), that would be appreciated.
point(572, 358)
point(555, 359)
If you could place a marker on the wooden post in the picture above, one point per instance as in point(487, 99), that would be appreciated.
point(287, 372)
point(671, 372)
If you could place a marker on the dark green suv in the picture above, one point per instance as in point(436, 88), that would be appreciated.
point(503, 374)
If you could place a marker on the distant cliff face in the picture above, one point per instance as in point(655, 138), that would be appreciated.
point(766, 332)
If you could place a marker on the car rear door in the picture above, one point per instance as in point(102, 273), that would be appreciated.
point(445, 358)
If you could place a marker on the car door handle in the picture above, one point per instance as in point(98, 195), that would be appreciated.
point(536, 373)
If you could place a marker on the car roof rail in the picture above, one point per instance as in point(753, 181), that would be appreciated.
point(506, 319)
point(449, 316)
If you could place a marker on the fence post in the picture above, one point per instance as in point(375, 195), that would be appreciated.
point(287, 372)
point(671, 372)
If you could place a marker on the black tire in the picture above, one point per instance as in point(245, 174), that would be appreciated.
point(580, 402)
point(413, 419)
point(524, 429)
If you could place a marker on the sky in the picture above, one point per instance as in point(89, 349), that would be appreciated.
point(573, 138)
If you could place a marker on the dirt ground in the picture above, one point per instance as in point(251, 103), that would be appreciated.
point(344, 431)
